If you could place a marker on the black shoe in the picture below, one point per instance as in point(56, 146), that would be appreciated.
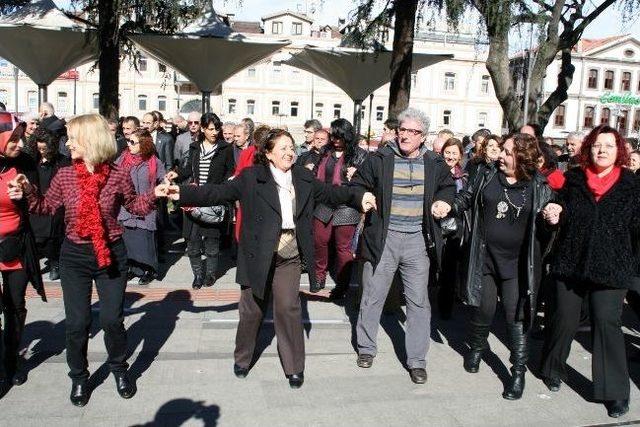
point(365, 360)
point(317, 287)
point(240, 372)
point(19, 377)
point(198, 282)
point(617, 408)
point(553, 384)
point(418, 375)
point(472, 361)
point(296, 380)
point(146, 278)
point(54, 274)
point(209, 281)
point(79, 393)
point(126, 388)
point(515, 388)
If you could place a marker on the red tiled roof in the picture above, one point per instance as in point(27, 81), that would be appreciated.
point(586, 45)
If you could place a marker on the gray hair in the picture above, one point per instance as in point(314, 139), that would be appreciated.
point(47, 107)
point(417, 115)
point(229, 124)
point(575, 135)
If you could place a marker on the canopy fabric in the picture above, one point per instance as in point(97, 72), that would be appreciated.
point(357, 72)
point(44, 43)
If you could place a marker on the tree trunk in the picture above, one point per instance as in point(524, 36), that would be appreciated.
point(402, 56)
point(109, 58)
point(559, 95)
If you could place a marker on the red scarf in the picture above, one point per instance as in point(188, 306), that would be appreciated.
point(89, 218)
point(600, 185)
point(132, 160)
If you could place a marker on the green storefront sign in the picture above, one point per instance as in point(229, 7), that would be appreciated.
point(617, 98)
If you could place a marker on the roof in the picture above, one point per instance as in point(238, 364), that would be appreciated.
point(246, 27)
point(586, 45)
point(287, 12)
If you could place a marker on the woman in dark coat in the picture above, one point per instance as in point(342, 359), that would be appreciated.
point(596, 256)
point(18, 255)
point(210, 161)
point(278, 199)
point(338, 224)
point(486, 153)
point(504, 250)
point(48, 229)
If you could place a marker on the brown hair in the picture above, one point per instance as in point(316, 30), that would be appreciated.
point(259, 134)
point(453, 142)
point(268, 142)
point(482, 152)
point(147, 148)
point(526, 153)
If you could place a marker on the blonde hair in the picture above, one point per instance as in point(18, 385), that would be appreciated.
point(92, 131)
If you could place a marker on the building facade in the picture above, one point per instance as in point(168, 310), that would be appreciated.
point(456, 94)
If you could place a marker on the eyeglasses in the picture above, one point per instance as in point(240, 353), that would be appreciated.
point(309, 131)
point(194, 123)
point(413, 132)
point(606, 147)
point(132, 142)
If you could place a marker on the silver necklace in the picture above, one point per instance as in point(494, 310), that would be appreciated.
point(505, 208)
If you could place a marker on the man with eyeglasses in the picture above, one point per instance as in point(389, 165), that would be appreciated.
point(184, 140)
point(310, 128)
point(410, 183)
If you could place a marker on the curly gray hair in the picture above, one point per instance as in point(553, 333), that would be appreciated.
point(417, 115)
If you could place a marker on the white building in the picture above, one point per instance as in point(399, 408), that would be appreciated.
point(605, 87)
point(456, 93)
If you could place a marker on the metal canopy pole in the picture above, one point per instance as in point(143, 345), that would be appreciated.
point(42, 94)
point(206, 102)
point(357, 115)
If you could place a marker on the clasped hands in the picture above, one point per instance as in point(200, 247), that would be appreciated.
point(551, 213)
point(18, 186)
point(440, 209)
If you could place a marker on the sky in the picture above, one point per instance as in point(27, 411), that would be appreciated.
point(328, 12)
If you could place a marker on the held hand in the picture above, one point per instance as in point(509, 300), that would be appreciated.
point(350, 172)
point(551, 213)
point(173, 192)
point(161, 190)
point(369, 202)
point(309, 166)
point(14, 192)
point(170, 176)
point(440, 209)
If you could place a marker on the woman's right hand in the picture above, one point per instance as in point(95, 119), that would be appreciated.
point(20, 182)
point(551, 213)
point(170, 176)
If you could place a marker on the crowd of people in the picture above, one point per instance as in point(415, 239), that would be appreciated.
point(543, 230)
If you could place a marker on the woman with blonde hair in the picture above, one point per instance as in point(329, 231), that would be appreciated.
point(92, 190)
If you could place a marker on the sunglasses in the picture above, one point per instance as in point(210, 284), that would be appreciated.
point(194, 123)
point(131, 142)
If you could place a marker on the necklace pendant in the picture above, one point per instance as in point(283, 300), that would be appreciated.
point(502, 209)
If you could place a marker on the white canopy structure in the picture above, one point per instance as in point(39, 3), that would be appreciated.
point(44, 42)
point(207, 52)
point(357, 72)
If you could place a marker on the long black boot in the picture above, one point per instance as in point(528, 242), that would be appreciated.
point(211, 268)
point(519, 355)
point(198, 276)
point(478, 334)
point(20, 371)
point(4, 379)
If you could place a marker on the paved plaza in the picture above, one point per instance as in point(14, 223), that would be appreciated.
point(182, 341)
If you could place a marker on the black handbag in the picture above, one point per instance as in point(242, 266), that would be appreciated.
point(12, 247)
point(210, 215)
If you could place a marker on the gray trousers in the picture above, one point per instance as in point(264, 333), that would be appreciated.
point(407, 253)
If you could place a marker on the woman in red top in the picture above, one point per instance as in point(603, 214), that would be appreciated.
point(18, 259)
point(92, 192)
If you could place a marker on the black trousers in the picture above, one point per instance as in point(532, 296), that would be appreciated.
point(13, 305)
point(209, 245)
point(287, 316)
point(78, 271)
point(509, 295)
point(609, 363)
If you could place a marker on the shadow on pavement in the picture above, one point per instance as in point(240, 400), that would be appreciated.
point(176, 412)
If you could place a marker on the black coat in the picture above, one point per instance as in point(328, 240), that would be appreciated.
point(598, 241)
point(376, 175)
point(220, 169)
point(536, 239)
point(257, 192)
point(164, 148)
point(48, 226)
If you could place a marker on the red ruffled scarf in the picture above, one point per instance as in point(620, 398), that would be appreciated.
point(132, 160)
point(89, 223)
point(600, 185)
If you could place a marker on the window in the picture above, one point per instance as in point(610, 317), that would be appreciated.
point(592, 81)
point(484, 85)
point(446, 118)
point(605, 116)
point(142, 102)
point(608, 80)
point(623, 118)
point(251, 72)
point(558, 121)
point(449, 81)
point(62, 102)
point(276, 27)
point(625, 84)
point(629, 53)
point(636, 121)
point(231, 106)
point(379, 113)
point(588, 117)
point(32, 100)
point(318, 109)
point(162, 103)
point(414, 79)
point(96, 101)
point(296, 28)
point(337, 111)
point(275, 108)
point(162, 68)
point(294, 109)
point(142, 63)
point(251, 107)
point(363, 112)
point(277, 69)
point(482, 119)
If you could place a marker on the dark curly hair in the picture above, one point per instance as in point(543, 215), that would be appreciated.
point(482, 151)
point(44, 136)
point(584, 157)
point(268, 143)
point(526, 154)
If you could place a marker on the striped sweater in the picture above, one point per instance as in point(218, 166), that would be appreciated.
point(407, 200)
